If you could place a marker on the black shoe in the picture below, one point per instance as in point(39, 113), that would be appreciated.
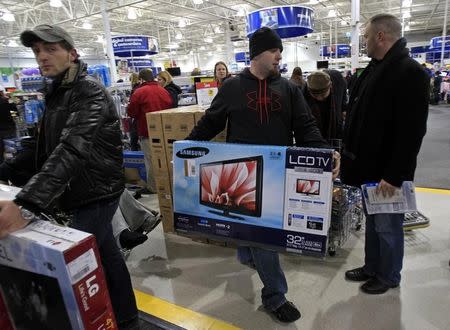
point(287, 312)
point(357, 275)
point(375, 286)
point(130, 239)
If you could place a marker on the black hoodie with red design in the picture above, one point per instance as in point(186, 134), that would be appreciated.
point(271, 111)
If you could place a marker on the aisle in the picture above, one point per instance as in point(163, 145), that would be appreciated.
point(433, 163)
point(208, 279)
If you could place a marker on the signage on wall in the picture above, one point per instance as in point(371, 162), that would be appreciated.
point(343, 50)
point(436, 43)
point(287, 21)
point(137, 63)
point(134, 45)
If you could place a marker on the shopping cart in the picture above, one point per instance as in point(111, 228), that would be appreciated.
point(346, 214)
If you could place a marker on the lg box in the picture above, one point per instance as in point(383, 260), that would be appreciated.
point(254, 194)
point(51, 278)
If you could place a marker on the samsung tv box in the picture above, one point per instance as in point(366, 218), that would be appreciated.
point(51, 278)
point(271, 196)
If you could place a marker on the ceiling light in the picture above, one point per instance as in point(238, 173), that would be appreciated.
point(343, 23)
point(217, 29)
point(178, 36)
point(8, 17)
point(13, 43)
point(219, 48)
point(100, 39)
point(197, 2)
point(406, 14)
point(318, 37)
point(313, 2)
point(209, 53)
point(208, 40)
point(407, 28)
point(240, 11)
point(55, 3)
point(406, 3)
point(331, 13)
point(202, 48)
point(182, 23)
point(132, 13)
point(191, 52)
point(173, 46)
point(87, 26)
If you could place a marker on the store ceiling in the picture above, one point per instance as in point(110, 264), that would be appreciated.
point(206, 20)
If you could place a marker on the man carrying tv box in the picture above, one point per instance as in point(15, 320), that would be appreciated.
point(263, 108)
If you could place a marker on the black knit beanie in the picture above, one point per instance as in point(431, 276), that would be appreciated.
point(264, 39)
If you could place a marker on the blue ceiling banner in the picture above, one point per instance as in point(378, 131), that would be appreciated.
point(287, 21)
point(343, 50)
point(134, 45)
point(436, 43)
point(242, 57)
point(138, 63)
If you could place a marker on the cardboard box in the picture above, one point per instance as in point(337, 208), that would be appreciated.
point(177, 125)
point(163, 184)
point(159, 159)
point(155, 127)
point(51, 277)
point(167, 218)
point(238, 192)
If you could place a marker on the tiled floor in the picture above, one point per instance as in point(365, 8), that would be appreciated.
point(209, 280)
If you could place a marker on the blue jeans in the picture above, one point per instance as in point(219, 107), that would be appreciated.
point(267, 264)
point(384, 247)
point(96, 219)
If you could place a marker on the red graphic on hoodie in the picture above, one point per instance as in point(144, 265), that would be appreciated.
point(263, 101)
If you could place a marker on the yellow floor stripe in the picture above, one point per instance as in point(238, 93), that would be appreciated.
point(177, 315)
point(434, 191)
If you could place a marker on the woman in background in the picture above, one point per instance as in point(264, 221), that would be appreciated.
point(165, 80)
point(220, 73)
point(297, 78)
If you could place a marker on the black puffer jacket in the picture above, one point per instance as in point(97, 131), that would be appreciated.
point(174, 90)
point(79, 148)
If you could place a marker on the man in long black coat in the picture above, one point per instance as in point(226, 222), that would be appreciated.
point(385, 126)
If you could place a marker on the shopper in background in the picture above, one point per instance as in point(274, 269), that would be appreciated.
point(326, 97)
point(165, 80)
point(149, 97)
point(436, 88)
point(220, 73)
point(385, 126)
point(297, 78)
point(7, 124)
point(262, 108)
point(78, 161)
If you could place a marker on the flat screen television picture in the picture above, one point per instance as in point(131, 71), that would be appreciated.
point(233, 185)
point(34, 301)
point(308, 187)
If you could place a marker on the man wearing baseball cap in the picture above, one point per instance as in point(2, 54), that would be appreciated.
point(78, 163)
point(261, 107)
point(326, 95)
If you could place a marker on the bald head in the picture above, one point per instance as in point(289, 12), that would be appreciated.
point(389, 24)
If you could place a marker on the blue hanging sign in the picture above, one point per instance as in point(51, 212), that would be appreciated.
point(138, 63)
point(419, 49)
point(287, 21)
point(436, 43)
point(134, 45)
point(343, 50)
point(243, 57)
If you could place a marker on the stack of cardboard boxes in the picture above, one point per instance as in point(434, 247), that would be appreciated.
point(164, 128)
